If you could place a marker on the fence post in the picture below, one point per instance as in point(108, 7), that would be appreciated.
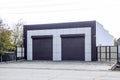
point(118, 53)
point(106, 53)
point(97, 52)
point(21, 52)
point(100, 53)
point(109, 53)
point(1, 58)
point(16, 52)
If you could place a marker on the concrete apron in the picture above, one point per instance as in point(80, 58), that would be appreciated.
point(62, 65)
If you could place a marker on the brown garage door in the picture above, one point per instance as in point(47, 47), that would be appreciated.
point(42, 47)
point(73, 47)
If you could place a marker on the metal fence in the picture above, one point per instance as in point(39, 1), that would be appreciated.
point(19, 53)
point(118, 60)
point(9, 56)
point(107, 53)
point(13, 56)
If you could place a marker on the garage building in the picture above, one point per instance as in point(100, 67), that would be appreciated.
point(65, 41)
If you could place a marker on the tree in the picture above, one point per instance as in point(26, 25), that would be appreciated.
point(115, 42)
point(5, 38)
point(17, 36)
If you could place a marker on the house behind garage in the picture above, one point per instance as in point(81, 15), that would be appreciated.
point(65, 41)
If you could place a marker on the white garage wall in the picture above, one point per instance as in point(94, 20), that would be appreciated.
point(57, 41)
point(103, 37)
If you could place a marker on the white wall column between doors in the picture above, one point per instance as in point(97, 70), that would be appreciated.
point(56, 48)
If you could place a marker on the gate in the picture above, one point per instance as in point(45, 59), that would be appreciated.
point(19, 53)
point(118, 59)
point(107, 53)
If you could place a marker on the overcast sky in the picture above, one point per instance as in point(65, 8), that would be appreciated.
point(106, 12)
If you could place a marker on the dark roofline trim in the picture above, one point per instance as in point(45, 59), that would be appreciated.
point(60, 25)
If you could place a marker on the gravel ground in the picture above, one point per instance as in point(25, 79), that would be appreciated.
point(64, 65)
point(65, 70)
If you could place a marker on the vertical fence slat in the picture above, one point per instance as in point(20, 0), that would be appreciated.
point(100, 53)
point(106, 53)
point(97, 52)
point(109, 53)
point(16, 53)
point(21, 52)
point(117, 55)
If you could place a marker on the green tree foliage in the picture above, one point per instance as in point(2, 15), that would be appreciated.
point(5, 38)
point(115, 42)
point(17, 35)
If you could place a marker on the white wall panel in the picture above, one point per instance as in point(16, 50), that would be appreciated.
point(57, 40)
point(103, 37)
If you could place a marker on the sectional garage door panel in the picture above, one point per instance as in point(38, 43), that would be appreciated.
point(73, 48)
point(42, 48)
